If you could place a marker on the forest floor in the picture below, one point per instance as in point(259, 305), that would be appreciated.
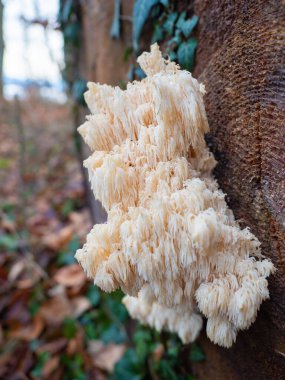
point(44, 292)
point(54, 323)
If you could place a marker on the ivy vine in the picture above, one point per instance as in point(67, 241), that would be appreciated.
point(69, 19)
point(172, 29)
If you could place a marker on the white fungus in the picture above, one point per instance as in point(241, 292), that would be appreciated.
point(170, 242)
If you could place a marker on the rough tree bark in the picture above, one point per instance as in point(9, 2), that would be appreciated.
point(241, 60)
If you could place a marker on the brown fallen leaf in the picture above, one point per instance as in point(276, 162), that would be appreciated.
point(105, 356)
point(57, 240)
point(54, 346)
point(76, 344)
point(29, 332)
point(16, 269)
point(81, 222)
point(25, 274)
point(71, 275)
point(50, 366)
point(79, 306)
point(55, 310)
point(158, 353)
point(27, 283)
point(57, 290)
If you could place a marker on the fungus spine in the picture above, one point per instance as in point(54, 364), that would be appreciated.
point(170, 242)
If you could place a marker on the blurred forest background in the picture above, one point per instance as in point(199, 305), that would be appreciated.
point(54, 323)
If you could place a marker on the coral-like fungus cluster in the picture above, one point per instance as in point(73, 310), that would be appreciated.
point(170, 241)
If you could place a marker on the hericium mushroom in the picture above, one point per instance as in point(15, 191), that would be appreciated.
point(170, 243)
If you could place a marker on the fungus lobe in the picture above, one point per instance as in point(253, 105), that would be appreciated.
point(170, 241)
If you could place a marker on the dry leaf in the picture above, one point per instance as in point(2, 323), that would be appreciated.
point(81, 222)
point(26, 272)
point(79, 306)
point(54, 346)
point(95, 346)
point(105, 356)
point(30, 332)
point(57, 290)
point(16, 270)
point(57, 240)
point(26, 283)
point(76, 344)
point(55, 310)
point(158, 353)
point(50, 366)
point(71, 275)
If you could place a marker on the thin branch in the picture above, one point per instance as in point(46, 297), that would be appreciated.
point(126, 18)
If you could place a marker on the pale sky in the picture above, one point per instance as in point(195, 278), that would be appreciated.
point(26, 54)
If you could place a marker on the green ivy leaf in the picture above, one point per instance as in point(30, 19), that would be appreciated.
point(67, 207)
point(42, 359)
point(172, 56)
point(143, 342)
point(74, 367)
point(186, 54)
point(66, 257)
point(116, 308)
point(8, 208)
point(69, 328)
point(166, 371)
point(127, 53)
point(165, 3)
point(113, 334)
point(131, 73)
point(196, 354)
point(66, 11)
point(155, 11)
point(78, 89)
point(181, 20)
point(157, 34)
point(71, 33)
point(36, 299)
point(128, 368)
point(94, 295)
point(115, 28)
point(187, 26)
point(139, 73)
point(168, 26)
point(141, 12)
point(8, 242)
point(176, 40)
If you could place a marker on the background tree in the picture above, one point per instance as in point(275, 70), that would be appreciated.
point(240, 58)
point(1, 47)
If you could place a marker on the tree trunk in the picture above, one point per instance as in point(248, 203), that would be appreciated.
point(104, 56)
point(101, 57)
point(240, 59)
point(1, 47)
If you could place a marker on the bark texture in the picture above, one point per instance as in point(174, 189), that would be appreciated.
point(104, 56)
point(241, 60)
